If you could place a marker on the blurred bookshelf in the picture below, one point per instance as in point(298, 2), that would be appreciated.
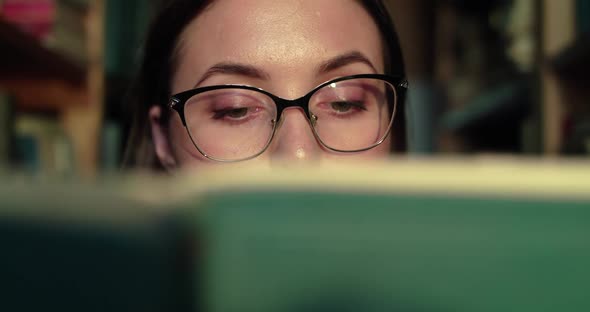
point(567, 37)
point(65, 66)
point(51, 72)
point(499, 77)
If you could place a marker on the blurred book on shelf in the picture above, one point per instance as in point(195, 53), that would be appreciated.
point(34, 17)
point(43, 147)
point(111, 146)
point(69, 31)
point(37, 145)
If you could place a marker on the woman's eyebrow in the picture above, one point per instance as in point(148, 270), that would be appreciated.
point(234, 69)
point(253, 72)
point(343, 60)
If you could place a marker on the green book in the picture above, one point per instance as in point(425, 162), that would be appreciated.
point(317, 251)
point(72, 247)
point(464, 235)
point(430, 235)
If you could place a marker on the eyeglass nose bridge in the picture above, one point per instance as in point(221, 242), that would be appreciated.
point(302, 102)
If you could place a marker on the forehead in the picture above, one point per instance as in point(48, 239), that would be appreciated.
point(288, 36)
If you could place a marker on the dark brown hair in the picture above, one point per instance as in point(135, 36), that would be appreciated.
point(152, 85)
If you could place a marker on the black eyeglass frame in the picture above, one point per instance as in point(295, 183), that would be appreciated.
point(178, 101)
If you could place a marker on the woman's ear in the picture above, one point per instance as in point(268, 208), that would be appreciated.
point(160, 138)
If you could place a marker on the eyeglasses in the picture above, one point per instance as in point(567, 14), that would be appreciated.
point(231, 123)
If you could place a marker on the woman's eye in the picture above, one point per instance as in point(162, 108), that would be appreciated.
point(233, 113)
point(346, 106)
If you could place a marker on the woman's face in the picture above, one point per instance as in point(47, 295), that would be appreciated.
point(285, 47)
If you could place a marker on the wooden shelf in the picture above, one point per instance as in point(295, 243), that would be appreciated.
point(39, 78)
point(44, 95)
point(23, 57)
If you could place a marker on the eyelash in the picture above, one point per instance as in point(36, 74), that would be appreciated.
point(222, 114)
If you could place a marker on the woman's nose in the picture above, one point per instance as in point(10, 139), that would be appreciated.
point(294, 139)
